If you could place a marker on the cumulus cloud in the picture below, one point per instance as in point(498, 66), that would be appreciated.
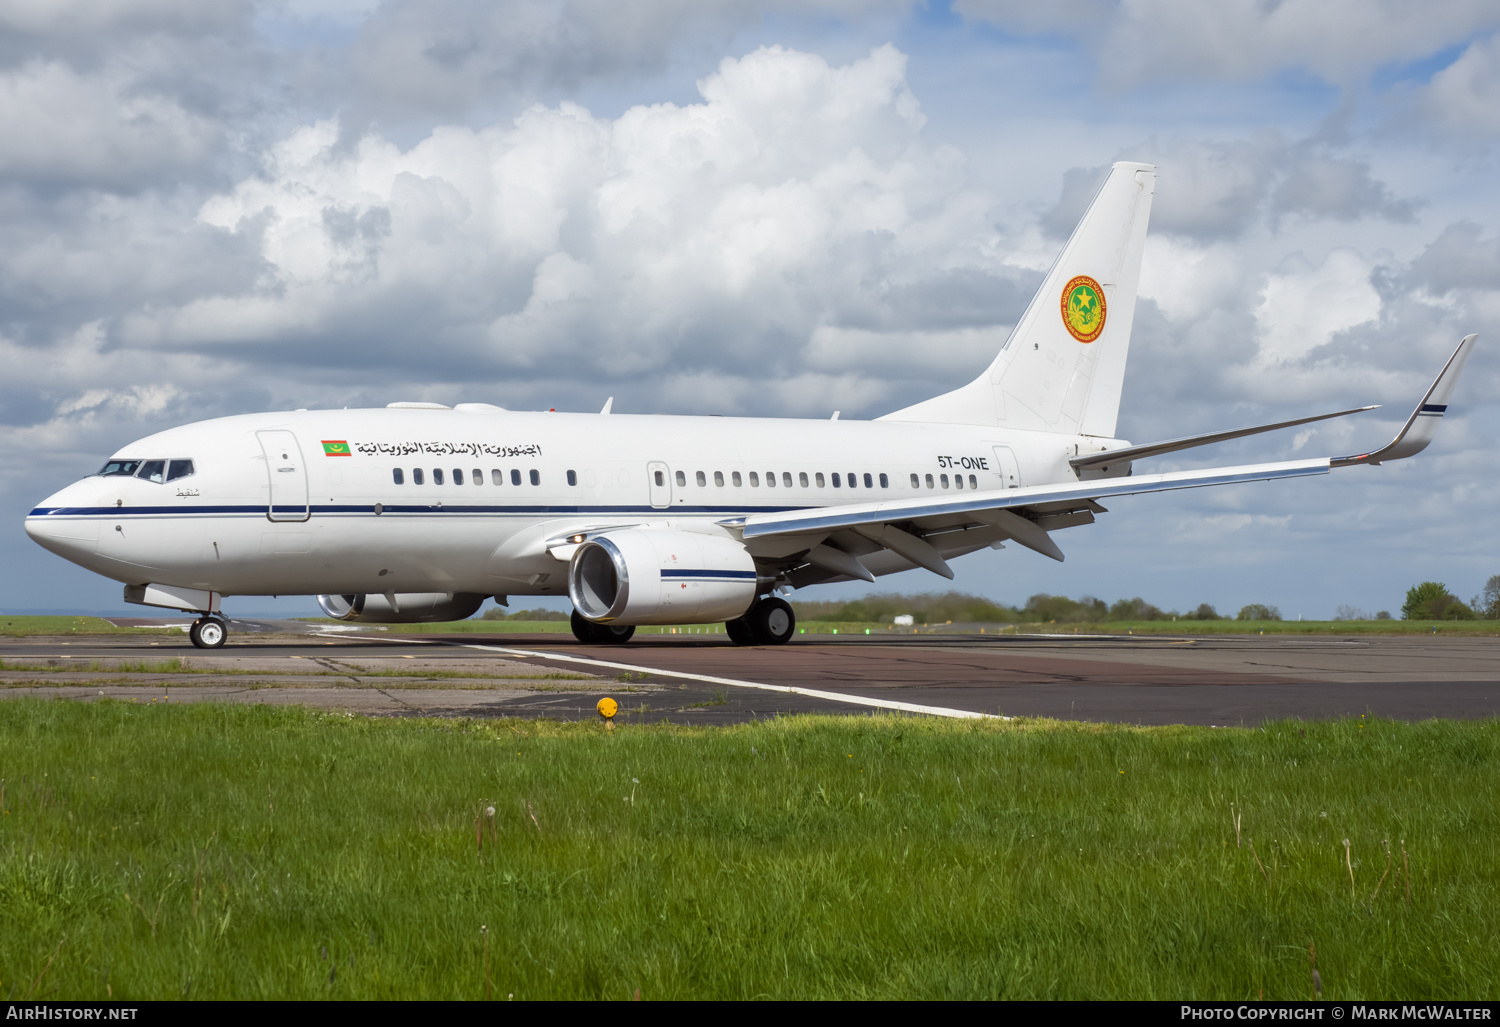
point(58, 126)
point(797, 197)
point(1219, 189)
point(1464, 98)
point(1342, 41)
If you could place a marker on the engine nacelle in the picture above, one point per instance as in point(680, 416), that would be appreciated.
point(661, 576)
point(410, 607)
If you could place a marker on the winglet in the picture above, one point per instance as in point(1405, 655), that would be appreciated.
point(1421, 426)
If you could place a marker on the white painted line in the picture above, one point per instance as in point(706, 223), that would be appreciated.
point(857, 700)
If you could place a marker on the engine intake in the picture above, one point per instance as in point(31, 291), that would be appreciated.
point(409, 608)
point(661, 576)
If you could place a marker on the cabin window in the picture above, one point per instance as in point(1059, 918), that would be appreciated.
point(973, 482)
point(916, 482)
point(458, 475)
point(958, 481)
point(572, 477)
point(153, 470)
point(497, 476)
point(853, 481)
point(477, 476)
point(681, 478)
point(819, 479)
point(869, 482)
point(179, 469)
point(786, 478)
point(701, 478)
point(770, 479)
point(398, 476)
point(437, 475)
point(944, 479)
point(536, 476)
point(416, 476)
point(837, 481)
point(885, 482)
point(127, 468)
point(734, 477)
point(719, 479)
point(661, 479)
point(802, 479)
point(929, 481)
point(754, 480)
point(515, 476)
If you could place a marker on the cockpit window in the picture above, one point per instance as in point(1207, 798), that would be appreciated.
point(153, 470)
point(120, 467)
point(179, 469)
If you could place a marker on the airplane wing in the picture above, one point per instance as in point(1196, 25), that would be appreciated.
point(842, 540)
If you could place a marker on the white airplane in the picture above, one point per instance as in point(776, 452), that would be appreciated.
point(418, 512)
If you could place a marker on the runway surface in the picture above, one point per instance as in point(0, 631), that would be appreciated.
point(1219, 680)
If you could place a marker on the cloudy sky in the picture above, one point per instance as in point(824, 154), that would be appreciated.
point(769, 208)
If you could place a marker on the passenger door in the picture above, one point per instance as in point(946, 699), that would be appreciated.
point(660, 476)
point(1009, 470)
point(287, 474)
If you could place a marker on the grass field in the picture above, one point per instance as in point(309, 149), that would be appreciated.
point(25, 624)
point(156, 851)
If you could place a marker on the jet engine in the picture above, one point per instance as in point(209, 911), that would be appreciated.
point(407, 608)
point(661, 576)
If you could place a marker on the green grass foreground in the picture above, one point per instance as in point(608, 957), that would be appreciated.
point(213, 851)
point(17, 625)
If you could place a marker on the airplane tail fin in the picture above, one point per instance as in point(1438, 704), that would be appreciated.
point(1063, 366)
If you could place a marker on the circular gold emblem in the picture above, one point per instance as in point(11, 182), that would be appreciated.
point(1083, 308)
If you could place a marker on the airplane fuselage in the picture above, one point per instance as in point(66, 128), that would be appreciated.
point(465, 500)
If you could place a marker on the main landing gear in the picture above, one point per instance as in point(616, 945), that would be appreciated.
point(770, 621)
point(209, 632)
point(586, 630)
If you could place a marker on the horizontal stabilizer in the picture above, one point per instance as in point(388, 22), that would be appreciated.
point(1421, 427)
point(1118, 456)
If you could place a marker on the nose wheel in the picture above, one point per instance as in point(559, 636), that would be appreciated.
point(209, 633)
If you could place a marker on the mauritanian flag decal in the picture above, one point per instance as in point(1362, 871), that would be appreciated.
point(336, 447)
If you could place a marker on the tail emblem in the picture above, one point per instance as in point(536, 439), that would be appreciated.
point(1083, 308)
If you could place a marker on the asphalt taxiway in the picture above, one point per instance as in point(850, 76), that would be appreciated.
point(1220, 680)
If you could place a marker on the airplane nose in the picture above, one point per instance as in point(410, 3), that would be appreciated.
point(66, 522)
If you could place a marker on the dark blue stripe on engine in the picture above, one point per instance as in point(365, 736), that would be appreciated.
point(700, 574)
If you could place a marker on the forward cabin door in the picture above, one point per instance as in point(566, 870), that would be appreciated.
point(288, 475)
point(660, 477)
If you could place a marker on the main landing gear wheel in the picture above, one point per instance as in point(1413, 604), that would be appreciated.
point(769, 622)
point(739, 631)
point(208, 633)
point(586, 630)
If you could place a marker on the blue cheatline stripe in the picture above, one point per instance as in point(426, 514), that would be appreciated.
point(707, 574)
point(259, 510)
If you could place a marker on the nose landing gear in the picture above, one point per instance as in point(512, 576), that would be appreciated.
point(209, 633)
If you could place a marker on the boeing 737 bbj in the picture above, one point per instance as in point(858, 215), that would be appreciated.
point(419, 512)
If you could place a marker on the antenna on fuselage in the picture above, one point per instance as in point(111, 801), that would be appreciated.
point(607, 404)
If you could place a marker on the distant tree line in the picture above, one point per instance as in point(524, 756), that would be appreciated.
point(499, 613)
point(962, 608)
point(1431, 600)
